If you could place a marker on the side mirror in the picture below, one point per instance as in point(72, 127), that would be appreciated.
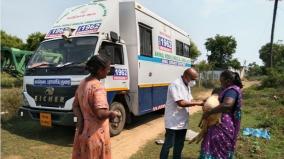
point(114, 36)
point(112, 71)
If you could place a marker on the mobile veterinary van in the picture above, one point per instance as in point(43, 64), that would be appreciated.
point(147, 53)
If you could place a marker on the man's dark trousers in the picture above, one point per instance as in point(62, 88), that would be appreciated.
point(173, 138)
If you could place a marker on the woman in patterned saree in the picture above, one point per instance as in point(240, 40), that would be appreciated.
point(220, 140)
point(90, 106)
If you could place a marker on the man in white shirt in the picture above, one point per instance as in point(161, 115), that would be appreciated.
point(179, 98)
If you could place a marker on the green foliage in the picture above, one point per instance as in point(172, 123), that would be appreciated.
point(34, 40)
point(32, 43)
point(255, 70)
point(203, 66)
point(8, 81)
point(194, 52)
point(235, 64)
point(210, 83)
point(222, 49)
point(277, 52)
point(275, 78)
point(11, 41)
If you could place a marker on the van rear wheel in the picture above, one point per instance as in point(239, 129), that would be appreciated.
point(116, 126)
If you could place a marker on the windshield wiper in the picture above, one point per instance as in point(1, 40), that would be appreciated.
point(69, 64)
point(42, 64)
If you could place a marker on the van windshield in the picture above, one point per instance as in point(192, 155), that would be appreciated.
point(59, 52)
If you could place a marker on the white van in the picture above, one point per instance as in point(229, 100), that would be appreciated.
point(147, 54)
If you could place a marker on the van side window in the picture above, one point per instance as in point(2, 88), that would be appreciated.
point(179, 48)
point(186, 50)
point(182, 49)
point(113, 51)
point(145, 40)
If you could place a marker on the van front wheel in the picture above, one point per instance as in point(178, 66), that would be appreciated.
point(116, 126)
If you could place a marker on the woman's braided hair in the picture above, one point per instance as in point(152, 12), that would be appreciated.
point(234, 77)
point(97, 62)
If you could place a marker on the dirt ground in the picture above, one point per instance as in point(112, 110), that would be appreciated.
point(131, 139)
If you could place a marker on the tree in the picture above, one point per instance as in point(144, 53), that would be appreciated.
point(194, 52)
point(11, 41)
point(254, 69)
point(203, 66)
point(278, 55)
point(222, 49)
point(34, 40)
point(235, 64)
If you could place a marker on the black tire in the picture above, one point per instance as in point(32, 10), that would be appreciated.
point(117, 126)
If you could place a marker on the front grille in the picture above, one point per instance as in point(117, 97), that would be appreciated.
point(56, 99)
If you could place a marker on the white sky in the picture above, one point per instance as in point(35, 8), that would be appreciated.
point(249, 21)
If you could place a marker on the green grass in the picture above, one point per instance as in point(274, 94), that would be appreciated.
point(11, 100)
point(28, 140)
point(11, 96)
point(260, 110)
point(256, 78)
point(8, 81)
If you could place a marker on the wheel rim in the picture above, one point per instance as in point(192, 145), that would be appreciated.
point(117, 120)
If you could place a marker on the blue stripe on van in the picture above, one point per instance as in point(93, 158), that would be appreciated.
point(151, 97)
point(151, 59)
point(110, 96)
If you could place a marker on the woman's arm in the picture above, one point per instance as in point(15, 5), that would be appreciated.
point(77, 112)
point(184, 103)
point(98, 103)
point(103, 114)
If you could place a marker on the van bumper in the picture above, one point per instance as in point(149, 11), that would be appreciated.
point(65, 118)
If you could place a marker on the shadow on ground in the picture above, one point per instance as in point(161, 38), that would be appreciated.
point(144, 119)
point(59, 135)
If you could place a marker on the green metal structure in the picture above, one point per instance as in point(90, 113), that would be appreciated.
point(14, 60)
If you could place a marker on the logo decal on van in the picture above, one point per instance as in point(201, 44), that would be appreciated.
point(54, 33)
point(120, 74)
point(88, 29)
point(165, 44)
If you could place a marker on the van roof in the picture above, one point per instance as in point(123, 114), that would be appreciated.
point(141, 8)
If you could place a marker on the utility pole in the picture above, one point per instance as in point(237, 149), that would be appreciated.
point(272, 32)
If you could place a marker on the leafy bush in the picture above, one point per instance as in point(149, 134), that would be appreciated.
point(275, 78)
point(8, 81)
point(255, 70)
point(209, 83)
